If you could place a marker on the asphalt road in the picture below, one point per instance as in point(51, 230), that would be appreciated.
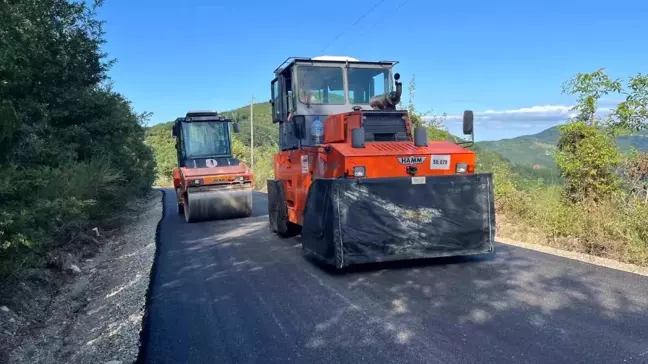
point(231, 292)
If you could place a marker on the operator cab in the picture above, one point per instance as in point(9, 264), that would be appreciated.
point(306, 91)
point(203, 140)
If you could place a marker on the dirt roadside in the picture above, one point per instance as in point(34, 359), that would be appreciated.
point(90, 308)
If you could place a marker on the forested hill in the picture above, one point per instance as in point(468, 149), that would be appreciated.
point(265, 132)
point(529, 150)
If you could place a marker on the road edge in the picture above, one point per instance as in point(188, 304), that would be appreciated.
point(144, 331)
point(582, 257)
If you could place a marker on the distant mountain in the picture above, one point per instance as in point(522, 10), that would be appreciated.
point(529, 150)
point(639, 141)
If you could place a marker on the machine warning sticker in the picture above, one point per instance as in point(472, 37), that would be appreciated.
point(304, 163)
point(211, 162)
point(440, 162)
point(418, 180)
point(321, 167)
point(411, 160)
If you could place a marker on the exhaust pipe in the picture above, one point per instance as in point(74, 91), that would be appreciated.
point(388, 101)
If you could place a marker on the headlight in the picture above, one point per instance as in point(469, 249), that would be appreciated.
point(359, 171)
point(462, 167)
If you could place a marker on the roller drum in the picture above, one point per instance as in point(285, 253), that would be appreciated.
point(216, 205)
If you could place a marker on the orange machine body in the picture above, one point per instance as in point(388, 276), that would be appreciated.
point(220, 177)
point(337, 159)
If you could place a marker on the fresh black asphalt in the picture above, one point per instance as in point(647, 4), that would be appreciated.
point(232, 292)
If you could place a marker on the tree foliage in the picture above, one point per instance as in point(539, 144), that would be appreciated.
point(160, 139)
point(590, 87)
point(587, 154)
point(72, 149)
point(631, 115)
point(635, 174)
point(587, 159)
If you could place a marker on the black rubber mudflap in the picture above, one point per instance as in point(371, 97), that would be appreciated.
point(277, 211)
point(360, 221)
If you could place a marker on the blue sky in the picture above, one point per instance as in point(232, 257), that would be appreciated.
point(504, 59)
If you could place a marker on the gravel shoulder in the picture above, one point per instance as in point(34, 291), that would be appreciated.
point(582, 257)
point(91, 312)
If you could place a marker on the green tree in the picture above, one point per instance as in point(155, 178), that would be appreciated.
point(590, 87)
point(161, 141)
point(587, 153)
point(72, 150)
point(631, 115)
point(587, 159)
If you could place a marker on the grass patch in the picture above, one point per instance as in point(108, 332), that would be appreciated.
point(613, 228)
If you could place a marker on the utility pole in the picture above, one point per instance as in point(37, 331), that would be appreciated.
point(252, 132)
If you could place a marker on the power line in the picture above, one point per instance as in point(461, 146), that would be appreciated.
point(395, 11)
point(383, 19)
point(354, 23)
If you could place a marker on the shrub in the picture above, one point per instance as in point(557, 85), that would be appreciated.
point(72, 150)
point(634, 171)
point(587, 159)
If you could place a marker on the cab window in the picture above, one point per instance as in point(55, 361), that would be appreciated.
point(365, 83)
point(320, 85)
point(275, 100)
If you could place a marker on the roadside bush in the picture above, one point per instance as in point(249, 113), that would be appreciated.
point(634, 170)
point(240, 150)
point(587, 158)
point(72, 150)
point(161, 142)
point(612, 228)
point(264, 166)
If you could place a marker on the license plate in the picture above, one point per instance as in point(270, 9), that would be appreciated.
point(440, 162)
point(418, 180)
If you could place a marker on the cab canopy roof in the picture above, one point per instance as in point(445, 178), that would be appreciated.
point(207, 115)
point(201, 113)
point(290, 61)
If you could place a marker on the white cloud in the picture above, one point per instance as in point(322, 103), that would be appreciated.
point(525, 117)
point(525, 120)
